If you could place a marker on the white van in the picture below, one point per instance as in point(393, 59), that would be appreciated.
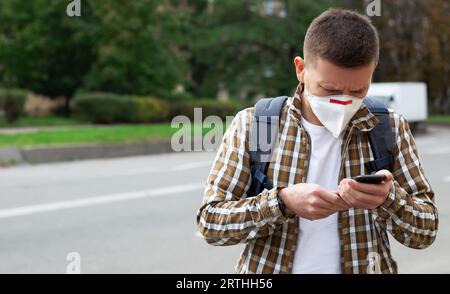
point(406, 98)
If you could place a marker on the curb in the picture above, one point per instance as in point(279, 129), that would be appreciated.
point(33, 155)
point(10, 156)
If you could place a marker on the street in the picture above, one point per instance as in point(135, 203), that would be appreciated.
point(137, 215)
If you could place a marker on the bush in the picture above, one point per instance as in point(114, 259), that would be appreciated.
point(208, 106)
point(12, 101)
point(102, 107)
point(182, 96)
point(149, 109)
point(112, 108)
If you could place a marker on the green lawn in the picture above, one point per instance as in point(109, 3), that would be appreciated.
point(39, 122)
point(439, 118)
point(76, 134)
point(90, 135)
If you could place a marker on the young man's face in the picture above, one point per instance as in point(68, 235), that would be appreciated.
point(322, 78)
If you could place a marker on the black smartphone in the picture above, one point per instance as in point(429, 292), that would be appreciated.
point(370, 179)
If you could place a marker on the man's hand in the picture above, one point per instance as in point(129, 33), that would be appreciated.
point(311, 201)
point(365, 196)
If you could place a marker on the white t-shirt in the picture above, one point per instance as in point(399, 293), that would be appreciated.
point(318, 249)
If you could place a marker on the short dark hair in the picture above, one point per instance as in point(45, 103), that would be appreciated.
point(342, 37)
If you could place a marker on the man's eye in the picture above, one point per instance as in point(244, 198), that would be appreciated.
point(359, 93)
point(328, 90)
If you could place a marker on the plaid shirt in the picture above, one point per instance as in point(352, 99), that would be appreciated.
point(229, 216)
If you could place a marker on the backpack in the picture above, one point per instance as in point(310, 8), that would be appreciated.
point(380, 140)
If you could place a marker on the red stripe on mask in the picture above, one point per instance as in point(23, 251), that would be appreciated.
point(341, 102)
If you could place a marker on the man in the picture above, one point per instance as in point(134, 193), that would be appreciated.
point(317, 219)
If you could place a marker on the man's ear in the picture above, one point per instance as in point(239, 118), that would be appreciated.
point(299, 68)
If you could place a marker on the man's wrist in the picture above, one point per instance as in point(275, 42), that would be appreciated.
point(283, 208)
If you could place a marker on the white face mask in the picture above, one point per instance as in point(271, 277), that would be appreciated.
point(334, 112)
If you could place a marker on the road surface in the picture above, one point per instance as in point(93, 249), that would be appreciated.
point(137, 215)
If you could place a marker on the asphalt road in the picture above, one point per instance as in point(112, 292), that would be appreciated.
point(137, 215)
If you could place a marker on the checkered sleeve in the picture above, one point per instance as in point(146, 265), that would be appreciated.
point(227, 215)
point(409, 212)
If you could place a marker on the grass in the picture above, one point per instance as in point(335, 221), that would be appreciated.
point(39, 122)
point(91, 135)
point(439, 118)
point(76, 134)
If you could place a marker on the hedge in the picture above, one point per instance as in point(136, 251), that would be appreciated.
point(112, 108)
point(109, 108)
point(12, 102)
point(149, 109)
point(208, 107)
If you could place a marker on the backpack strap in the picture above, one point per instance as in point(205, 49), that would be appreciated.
point(266, 112)
point(380, 138)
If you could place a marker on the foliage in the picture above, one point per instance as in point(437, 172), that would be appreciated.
point(109, 108)
point(12, 102)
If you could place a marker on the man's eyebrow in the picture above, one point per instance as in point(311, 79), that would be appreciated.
point(360, 89)
point(328, 85)
point(333, 87)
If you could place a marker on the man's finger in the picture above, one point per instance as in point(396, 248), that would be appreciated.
point(389, 176)
point(334, 199)
point(324, 204)
point(363, 200)
point(375, 189)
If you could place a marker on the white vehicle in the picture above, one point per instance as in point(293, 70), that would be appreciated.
point(406, 98)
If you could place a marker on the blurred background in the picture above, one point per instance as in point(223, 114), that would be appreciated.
point(88, 90)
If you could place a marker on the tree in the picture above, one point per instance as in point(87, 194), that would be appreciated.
point(248, 47)
point(44, 50)
point(122, 46)
point(414, 38)
point(137, 49)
